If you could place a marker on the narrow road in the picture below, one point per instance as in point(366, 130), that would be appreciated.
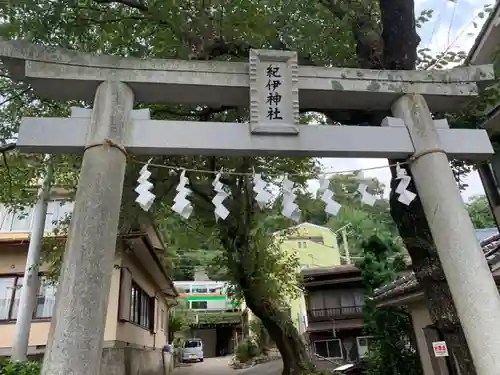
point(220, 366)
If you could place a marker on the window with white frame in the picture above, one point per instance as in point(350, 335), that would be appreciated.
point(22, 220)
point(10, 294)
point(329, 348)
point(363, 345)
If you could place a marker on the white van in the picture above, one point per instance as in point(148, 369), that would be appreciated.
point(192, 350)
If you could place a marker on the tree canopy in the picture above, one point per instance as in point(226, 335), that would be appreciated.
point(480, 212)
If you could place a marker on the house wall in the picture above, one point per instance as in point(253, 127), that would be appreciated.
point(212, 292)
point(13, 261)
point(129, 332)
point(314, 246)
point(422, 319)
point(347, 339)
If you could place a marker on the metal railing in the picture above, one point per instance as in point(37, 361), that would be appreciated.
point(332, 361)
point(334, 313)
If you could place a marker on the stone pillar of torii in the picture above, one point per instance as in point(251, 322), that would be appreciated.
point(274, 87)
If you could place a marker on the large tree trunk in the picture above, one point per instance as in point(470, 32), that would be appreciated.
point(396, 48)
point(414, 230)
point(400, 46)
point(243, 262)
point(282, 331)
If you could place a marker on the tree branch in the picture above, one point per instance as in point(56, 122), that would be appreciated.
point(208, 111)
point(13, 97)
point(136, 4)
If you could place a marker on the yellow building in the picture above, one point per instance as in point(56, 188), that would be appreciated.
point(137, 314)
point(316, 247)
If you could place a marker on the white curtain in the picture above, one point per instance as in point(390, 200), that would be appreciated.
point(46, 300)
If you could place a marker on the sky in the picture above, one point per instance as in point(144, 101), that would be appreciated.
point(450, 28)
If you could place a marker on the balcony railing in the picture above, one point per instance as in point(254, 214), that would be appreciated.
point(344, 312)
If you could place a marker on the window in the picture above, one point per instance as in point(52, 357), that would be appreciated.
point(22, 220)
point(141, 307)
point(162, 319)
point(199, 289)
point(199, 304)
point(192, 343)
point(45, 300)
point(57, 210)
point(18, 221)
point(329, 348)
point(300, 245)
point(304, 245)
point(10, 294)
point(363, 345)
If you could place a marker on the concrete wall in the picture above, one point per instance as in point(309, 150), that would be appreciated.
point(135, 361)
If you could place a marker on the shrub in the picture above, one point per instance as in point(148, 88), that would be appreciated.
point(245, 351)
point(262, 338)
point(20, 368)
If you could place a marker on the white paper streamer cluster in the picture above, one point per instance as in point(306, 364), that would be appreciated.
point(221, 212)
point(405, 196)
point(145, 198)
point(263, 197)
point(290, 209)
point(326, 195)
point(181, 204)
point(366, 197)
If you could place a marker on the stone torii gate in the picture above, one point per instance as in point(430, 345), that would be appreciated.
point(274, 87)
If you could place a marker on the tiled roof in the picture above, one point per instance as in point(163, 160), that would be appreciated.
point(409, 283)
point(316, 271)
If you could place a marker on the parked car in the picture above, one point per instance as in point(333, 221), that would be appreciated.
point(192, 350)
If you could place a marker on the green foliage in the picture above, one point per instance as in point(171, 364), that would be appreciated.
point(177, 325)
point(262, 338)
point(8, 367)
point(391, 350)
point(246, 350)
point(480, 212)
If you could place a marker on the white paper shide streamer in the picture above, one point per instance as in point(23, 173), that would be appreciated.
point(366, 197)
point(290, 209)
point(326, 195)
point(181, 204)
point(263, 197)
point(405, 195)
point(220, 211)
point(145, 198)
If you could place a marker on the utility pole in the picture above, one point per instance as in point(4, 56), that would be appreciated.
point(30, 281)
point(343, 232)
point(77, 328)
